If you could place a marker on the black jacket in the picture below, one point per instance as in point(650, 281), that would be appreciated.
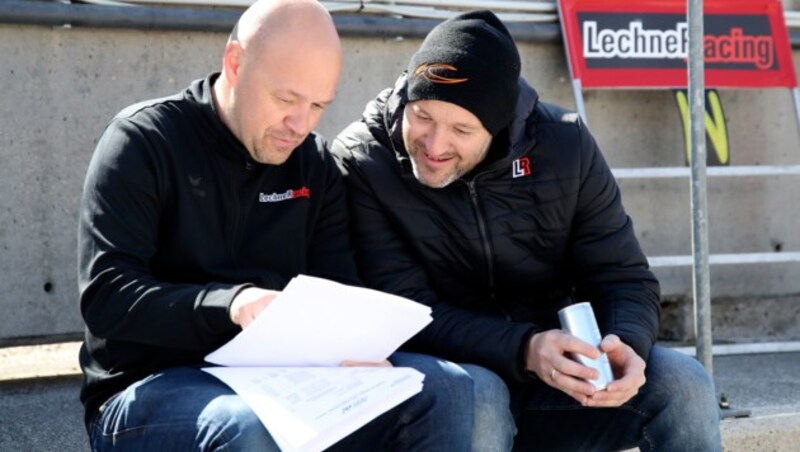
point(176, 218)
point(497, 253)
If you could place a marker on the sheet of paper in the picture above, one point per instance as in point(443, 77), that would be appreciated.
point(318, 322)
point(310, 409)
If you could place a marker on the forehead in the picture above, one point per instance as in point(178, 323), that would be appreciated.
point(305, 67)
point(283, 77)
point(445, 112)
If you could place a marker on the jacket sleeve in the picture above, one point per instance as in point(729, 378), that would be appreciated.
point(330, 250)
point(118, 235)
point(611, 270)
point(385, 263)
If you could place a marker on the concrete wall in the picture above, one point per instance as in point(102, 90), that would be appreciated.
point(61, 85)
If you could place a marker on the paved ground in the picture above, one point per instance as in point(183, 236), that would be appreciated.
point(43, 414)
point(769, 386)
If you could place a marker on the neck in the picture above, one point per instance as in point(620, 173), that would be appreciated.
point(220, 95)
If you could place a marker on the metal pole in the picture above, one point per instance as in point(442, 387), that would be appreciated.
point(700, 281)
point(796, 96)
point(577, 87)
point(577, 91)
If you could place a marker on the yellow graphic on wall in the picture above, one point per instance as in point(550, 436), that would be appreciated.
point(717, 150)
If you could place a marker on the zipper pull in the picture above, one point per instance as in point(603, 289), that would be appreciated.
point(473, 193)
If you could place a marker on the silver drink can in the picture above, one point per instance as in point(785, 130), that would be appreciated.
point(578, 320)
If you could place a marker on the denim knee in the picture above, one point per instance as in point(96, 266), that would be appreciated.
point(494, 427)
point(228, 423)
point(441, 416)
point(178, 409)
point(682, 380)
point(680, 394)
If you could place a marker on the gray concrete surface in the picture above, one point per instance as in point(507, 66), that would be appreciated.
point(42, 415)
point(61, 85)
point(45, 415)
point(744, 318)
point(769, 386)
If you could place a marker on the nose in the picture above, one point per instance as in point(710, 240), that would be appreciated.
point(436, 142)
point(299, 120)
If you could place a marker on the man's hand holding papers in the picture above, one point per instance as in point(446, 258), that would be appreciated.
point(286, 363)
point(249, 303)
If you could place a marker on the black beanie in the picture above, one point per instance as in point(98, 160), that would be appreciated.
point(469, 60)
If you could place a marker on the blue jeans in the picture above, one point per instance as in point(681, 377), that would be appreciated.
point(494, 427)
point(187, 409)
point(676, 410)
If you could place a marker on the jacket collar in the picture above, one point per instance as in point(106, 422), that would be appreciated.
point(200, 91)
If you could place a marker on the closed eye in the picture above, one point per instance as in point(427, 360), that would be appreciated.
point(422, 117)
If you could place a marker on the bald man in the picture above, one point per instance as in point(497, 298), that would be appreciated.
point(197, 210)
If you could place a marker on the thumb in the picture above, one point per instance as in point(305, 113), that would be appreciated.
point(610, 342)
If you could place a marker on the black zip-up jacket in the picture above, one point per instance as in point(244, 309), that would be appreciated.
point(176, 218)
point(497, 253)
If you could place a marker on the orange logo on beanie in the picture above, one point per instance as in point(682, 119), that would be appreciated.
point(429, 73)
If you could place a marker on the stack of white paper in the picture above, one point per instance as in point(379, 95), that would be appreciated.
point(285, 363)
point(311, 408)
point(317, 322)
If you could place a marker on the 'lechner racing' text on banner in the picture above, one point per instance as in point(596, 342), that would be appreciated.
point(613, 43)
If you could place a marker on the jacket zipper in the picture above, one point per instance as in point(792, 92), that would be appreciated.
point(487, 246)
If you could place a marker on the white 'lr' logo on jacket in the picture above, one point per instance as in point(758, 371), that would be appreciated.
point(521, 167)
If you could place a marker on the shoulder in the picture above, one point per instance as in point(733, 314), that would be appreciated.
point(355, 148)
point(152, 113)
point(352, 142)
point(551, 115)
point(145, 124)
point(143, 118)
point(558, 129)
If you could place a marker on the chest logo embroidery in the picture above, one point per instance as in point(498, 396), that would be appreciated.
point(302, 192)
point(194, 182)
point(521, 167)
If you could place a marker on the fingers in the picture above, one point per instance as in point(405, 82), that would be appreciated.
point(567, 366)
point(610, 342)
point(572, 344)
point(630, 369)
point(613, 396)
point(247, 313)
point(550, 349)
point(576, 388)
point(549, 355)
point(630, 382)
point(249, 303)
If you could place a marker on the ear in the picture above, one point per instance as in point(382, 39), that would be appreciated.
point(231, 61)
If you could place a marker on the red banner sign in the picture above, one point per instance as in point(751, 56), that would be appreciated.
point(644, 43)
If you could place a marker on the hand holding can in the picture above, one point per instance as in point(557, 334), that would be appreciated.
point(579, 321)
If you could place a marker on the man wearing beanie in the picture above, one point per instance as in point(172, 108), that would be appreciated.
point(470, 195)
